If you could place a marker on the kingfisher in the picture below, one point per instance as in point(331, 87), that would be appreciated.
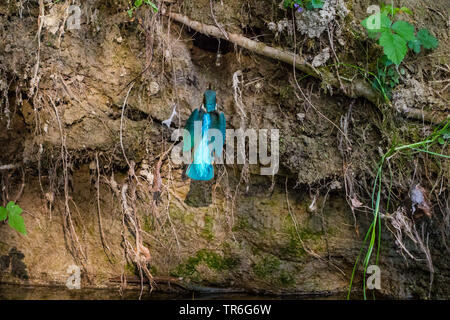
point(201, 167)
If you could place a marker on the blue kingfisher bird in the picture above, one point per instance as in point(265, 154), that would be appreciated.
point(201, 167)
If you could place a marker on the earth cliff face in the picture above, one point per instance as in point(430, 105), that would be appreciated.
point(82, 112)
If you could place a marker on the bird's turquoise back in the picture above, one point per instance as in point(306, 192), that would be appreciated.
point(203, 154)
point(201, 168)
point(210, 100)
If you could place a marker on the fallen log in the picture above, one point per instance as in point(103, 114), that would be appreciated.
point(354, 89)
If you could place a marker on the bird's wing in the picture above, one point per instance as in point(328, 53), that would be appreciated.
point(222, 128)
point(189, 143)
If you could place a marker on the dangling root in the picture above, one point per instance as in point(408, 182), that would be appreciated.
point(106, 248)
point(139, 253)
point(307, 250)
point(404, 225)
point(69, 228)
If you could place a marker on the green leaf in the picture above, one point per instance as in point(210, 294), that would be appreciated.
point(386, 9)
point(415, 45)
point(406, 10)
point(151, 4)
point(16, 222)
point(138, 3)
point(385, 61)
point(370, 23)
point(394, 47)
point(427, 40)
point(3, 213)
point(317, 4)
point(130, 13)
point(10, 206)
point(13, 209)
point(404, 29)
point(441, 140)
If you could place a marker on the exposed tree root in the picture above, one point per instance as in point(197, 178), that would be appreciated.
point(105, 246)
point(138, 253)
point(356, 88)
point(70, 233)
point(10, 166)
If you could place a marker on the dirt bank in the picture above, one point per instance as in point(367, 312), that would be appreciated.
point(82, 113)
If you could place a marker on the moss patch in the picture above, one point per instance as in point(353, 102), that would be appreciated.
point(267, 266)
point(286, 279)
point(207, 231)
point(213, 260)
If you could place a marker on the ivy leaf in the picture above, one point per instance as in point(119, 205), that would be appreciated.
point(404, 29)
point(394, 47)
point(3, 213)
point(427, 40)
point(415, 45)
point(16, 222)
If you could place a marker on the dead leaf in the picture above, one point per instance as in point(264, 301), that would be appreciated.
point(356, 203)
point(420, 200)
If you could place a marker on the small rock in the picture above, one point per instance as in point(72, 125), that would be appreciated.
point(335, 185)
point(301, 116)
point(419, 200)
point(153, 88)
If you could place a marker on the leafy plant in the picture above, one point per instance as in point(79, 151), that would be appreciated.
point(13, 212)
point(396, 37)
point(373, 235)
point(393, 11)
point(138, 3)
point(300, 5)
point(387, 77)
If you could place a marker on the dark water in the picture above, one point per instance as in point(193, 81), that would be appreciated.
point(16, 292)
